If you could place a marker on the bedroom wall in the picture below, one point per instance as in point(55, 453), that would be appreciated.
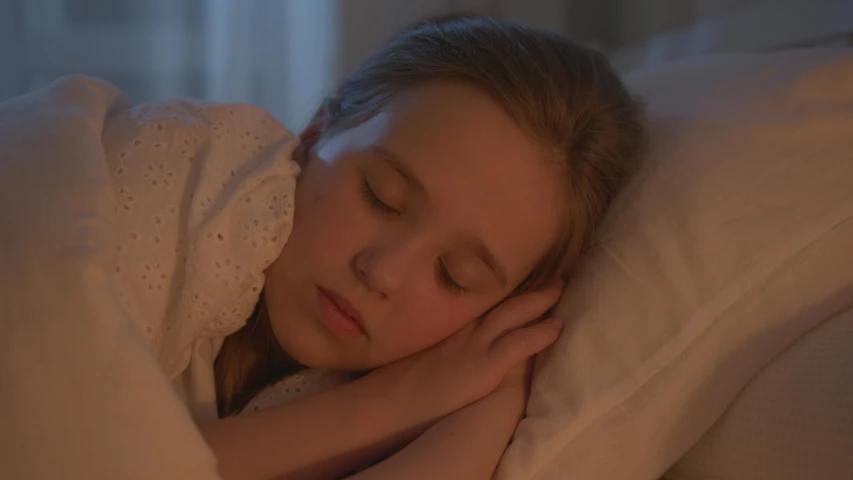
point(282, 54)
point(615, 24)
point(286, 54)
point(636, 22)
point(649, 32)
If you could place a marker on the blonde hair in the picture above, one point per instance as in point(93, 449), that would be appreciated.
point(249, 360)
point(564, 95)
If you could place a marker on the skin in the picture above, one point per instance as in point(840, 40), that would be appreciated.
point(476, 177)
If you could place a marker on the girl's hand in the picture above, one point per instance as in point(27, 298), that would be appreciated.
point(473, 362)
point(516, 388)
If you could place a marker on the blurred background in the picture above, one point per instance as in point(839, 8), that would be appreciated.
point(286, 54)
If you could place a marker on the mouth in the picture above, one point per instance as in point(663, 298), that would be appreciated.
point(338, 314)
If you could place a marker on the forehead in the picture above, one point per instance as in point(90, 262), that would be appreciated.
point(482, 174)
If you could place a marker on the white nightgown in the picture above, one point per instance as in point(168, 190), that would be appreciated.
point(205, 198)
point(132, 241)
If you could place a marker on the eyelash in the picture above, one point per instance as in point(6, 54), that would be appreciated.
point(447, 280)
point(386, 210)
point(376, 203)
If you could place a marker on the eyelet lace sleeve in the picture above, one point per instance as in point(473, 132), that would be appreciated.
point(204, 203)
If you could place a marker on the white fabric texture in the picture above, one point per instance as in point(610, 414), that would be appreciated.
point(732, 242)
point(204, 204)
point(97, 273)
point(306, 382)
point(794, 421)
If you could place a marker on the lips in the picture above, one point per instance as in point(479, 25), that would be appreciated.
point(338, 314)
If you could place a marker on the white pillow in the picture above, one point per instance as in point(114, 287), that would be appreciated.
point(793, 421)
point(734, 239)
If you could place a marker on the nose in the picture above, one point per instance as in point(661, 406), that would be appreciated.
point(383, 268)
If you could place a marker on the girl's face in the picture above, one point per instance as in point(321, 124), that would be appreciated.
point(409, 226)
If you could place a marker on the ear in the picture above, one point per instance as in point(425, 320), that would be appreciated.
point(309, 137)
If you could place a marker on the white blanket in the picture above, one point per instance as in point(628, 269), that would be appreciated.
point(81, 395)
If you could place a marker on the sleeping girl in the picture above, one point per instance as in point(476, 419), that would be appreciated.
point(365, 298)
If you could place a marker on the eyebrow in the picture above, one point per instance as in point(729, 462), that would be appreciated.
point(395, 162)
point(483, 253)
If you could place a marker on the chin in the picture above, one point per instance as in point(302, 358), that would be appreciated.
point(306, 345)
point(294, 342)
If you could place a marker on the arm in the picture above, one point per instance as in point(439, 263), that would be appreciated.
point(334, 432)
point(320, 436)
point(466, 445)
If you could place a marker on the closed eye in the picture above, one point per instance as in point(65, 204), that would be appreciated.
point(447, 280)
point(376, 203)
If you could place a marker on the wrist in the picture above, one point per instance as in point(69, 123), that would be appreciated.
point(393, 406)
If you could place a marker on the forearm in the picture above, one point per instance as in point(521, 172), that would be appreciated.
point(466, 445)
point(321, 436)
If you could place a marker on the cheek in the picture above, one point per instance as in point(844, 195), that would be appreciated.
point(423, 320)
point(330, 217)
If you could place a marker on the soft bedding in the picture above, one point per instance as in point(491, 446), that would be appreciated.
point(82, 395)
point(734, 240)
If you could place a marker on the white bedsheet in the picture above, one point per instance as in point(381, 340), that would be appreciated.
point(81, 397)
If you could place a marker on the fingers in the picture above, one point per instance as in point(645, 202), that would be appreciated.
point(522, 343)
point(518, 311)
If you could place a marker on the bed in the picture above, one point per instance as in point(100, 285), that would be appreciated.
point(710, 336)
